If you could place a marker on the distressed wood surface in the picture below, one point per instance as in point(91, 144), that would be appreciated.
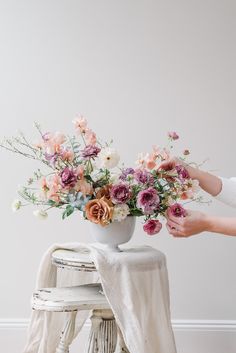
point(85, 297)
point(67, 334)
point(104, 331)
point(103, 334)
point(73, 260)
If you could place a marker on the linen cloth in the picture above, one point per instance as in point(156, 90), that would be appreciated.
point(135, 282)
point(228, 192)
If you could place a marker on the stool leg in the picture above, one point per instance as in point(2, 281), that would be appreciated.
point(67, 334)
point(122, 345)
point(103, 334)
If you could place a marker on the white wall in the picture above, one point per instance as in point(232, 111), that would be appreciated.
point(136, 69)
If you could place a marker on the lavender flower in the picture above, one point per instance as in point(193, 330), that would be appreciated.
point(125, 173)
point(143, 176)
point(51, 158)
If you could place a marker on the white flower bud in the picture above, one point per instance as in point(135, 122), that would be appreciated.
point(16, 205)
point(41, 214)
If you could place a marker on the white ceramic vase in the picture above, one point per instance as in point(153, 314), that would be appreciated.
point(114, 234)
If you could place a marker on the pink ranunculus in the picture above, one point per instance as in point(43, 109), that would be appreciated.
point(80, 124)
point(120, 193)
point(173, 135)
point(148, 200)
point(67, 155)
point(150, 162)
point(90, 137)
point(83, 186)
point(80, 172)
point(58, 138)
point(177, 210)
point(152, 226)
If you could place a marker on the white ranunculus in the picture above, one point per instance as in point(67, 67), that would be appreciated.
point(16, 205)
point(41, 214)
point(109, 158)
point(120, 212)
point(115, 178)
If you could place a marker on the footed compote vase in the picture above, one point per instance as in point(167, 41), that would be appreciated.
point(114, 234)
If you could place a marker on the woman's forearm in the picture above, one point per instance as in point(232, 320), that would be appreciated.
point(223, 225)
point(208, 182)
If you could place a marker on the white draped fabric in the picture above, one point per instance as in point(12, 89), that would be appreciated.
point(135, 282)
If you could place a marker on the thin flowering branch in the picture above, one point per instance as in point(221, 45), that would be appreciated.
point(89, 179)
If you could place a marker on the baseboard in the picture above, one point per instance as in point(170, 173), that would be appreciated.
point(178, 324)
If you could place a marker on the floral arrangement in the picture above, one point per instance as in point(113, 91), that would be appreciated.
point(84, 175)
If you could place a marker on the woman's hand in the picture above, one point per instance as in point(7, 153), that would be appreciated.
point(194, 223)
point(170, 164)
point(208, 182)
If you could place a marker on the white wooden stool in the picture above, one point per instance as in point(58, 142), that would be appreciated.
point(103, 335)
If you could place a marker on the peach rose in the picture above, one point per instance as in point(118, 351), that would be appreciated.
point(104, 191)
point(99, 211)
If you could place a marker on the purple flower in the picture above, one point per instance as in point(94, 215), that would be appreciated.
point(120, 193)
point(148, 200)
point(46, 136)
point(177, 210)
point(52, 158)
point(90, 151)
point(182, 173)
point(143, 176)
point(152, 226)
point(68, 178)
point(125, 173)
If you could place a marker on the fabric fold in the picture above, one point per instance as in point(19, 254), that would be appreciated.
point(135, 282)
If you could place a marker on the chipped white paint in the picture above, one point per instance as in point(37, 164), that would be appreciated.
point(67, 334)
point(84, 297)
point(73, 260)
point(103, 333)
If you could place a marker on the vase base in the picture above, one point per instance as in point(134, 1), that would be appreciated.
point(108, 247)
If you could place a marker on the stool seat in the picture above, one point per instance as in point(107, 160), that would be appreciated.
point(73, 260)
point(83, 297)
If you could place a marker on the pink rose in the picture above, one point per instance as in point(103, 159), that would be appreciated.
point(182, 172)
point(152, 226)
point(120, 193)
point(177, 210)
point(68, 178)
point(148, 200)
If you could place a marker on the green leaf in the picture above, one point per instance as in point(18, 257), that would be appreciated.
point(136, 212)
point(88, 178)
point(68, 211)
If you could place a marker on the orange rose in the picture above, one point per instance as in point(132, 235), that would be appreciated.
point(104, 191)
point(99, 211)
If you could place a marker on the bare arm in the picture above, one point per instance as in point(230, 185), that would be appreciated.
point(208, 182)
point(222, 225)
point(197, 222)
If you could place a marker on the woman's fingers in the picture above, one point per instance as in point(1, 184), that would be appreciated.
point(173, 231)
